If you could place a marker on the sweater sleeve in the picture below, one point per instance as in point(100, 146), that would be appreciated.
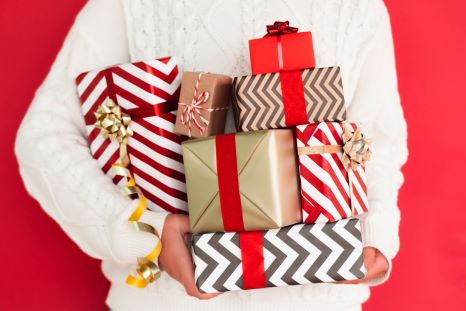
point(377, 108)
point(52, 150)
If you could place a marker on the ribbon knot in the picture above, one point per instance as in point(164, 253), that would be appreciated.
point(280, 28)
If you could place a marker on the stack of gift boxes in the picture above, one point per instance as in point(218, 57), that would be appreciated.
point(275, 203)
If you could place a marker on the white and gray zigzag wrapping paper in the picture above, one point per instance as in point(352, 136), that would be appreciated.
point(294, 255)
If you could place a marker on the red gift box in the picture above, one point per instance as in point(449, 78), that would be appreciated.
point(147, 93)
point(330, 189)
point(282, 49)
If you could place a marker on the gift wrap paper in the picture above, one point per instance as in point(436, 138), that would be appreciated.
point(214, 109)
point(329, 189)
point(294, 255)
point(282, 53)
point(149, 88)
point(286, 99)
point(261, 166)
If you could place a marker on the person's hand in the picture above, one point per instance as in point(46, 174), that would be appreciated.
point(375, 263)
point(175, 258)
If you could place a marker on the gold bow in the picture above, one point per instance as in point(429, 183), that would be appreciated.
point(356, 149)
point(115, 124)
point(112, 122)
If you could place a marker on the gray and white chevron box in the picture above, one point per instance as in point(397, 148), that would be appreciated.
point(294, 255)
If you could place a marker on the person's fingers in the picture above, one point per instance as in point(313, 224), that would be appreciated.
point(194, 292)
point(380, 266)
point(183, 222)
point(369, 254)
point(191, 288)
point(377, 268)
point(376, 265)
point(186, 275)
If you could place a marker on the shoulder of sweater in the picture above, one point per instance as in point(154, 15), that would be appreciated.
point(101, 21)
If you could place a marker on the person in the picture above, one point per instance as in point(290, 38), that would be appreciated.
point(208, 35)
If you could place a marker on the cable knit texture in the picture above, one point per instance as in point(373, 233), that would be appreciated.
point(342, 31)
point(207, 35)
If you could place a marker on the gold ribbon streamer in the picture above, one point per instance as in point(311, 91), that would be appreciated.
point(355, 151)
point(115, 124)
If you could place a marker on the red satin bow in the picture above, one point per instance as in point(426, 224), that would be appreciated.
point(280, 28)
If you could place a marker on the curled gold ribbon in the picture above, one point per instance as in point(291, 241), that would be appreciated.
point(147, 269)
point(115, 124)
point(355, 152)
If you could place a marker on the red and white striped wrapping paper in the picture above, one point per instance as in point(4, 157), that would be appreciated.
point(154, 149)
point(325, 181)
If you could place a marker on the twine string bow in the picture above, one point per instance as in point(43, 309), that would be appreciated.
point(192, 112)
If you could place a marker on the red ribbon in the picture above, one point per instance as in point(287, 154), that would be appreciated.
point(151, 111)
point(277, 30)
point(294, 102)
point(110, 85)
point(138, 113)
point(252, 259)
point(280, 28)
point(228, 185)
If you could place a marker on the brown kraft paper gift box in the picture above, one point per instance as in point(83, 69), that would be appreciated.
point(203, 105)
point(288, 98)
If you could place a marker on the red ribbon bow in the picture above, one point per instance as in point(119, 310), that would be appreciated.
point(280, 28)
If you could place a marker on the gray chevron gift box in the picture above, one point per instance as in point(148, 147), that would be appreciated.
point(294, 255)
point(289, 98)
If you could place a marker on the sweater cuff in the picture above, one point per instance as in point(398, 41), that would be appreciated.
point(380, 231)
point(155, 219)
point(127, 243)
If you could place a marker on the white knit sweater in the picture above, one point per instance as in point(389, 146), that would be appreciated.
point(60, 173)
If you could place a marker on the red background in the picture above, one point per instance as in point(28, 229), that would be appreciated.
point(42, 269)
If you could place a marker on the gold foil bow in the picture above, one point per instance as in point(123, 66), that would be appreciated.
point(356, 149)
point(115, 124)
point(112, 122)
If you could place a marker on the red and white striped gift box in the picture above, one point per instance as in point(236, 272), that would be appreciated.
point(154, 149)
point(330, 190)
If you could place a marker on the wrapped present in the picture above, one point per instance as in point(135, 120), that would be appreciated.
point(203, 104)
point(294, 255)
point(290, 98)
point(136, 103)
point(282, 49)
point(242, 182)
point(331, 164)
